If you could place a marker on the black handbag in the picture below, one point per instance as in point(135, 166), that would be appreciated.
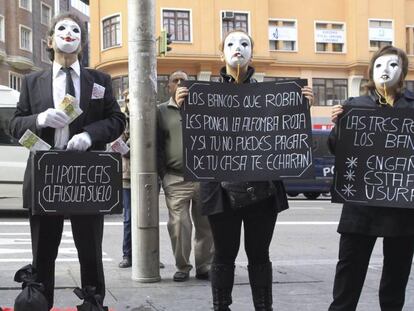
point(31, 297)
point(243, 194)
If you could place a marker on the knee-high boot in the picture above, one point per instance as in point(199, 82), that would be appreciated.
point(260, 277)
point(222, 279)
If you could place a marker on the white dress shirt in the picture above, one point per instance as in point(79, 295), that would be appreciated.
point(59, 92)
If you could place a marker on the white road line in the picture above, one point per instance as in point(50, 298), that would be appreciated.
point(57, 260)
point(164, 223)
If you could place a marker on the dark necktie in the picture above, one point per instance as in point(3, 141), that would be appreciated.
point(70, 89)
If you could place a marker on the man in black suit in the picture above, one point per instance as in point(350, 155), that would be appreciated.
point(100, 123)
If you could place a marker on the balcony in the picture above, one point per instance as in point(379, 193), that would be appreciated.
point(20, 62)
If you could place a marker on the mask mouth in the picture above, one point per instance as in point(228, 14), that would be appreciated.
point(238, 55)
point(68, 39)
point(385, 77)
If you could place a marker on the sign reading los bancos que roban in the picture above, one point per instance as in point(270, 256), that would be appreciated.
point(375, 157)
point(258, 131)
point(67, 182)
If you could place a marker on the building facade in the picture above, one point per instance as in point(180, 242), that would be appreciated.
point(327, 42)
point(23, 34)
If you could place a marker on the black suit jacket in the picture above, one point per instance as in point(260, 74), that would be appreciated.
point(375, 220)
point(101, 118)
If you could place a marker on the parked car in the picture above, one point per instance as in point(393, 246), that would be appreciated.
point(324, 164)
point(13, 156)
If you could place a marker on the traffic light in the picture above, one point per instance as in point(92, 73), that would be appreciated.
point(164, 42)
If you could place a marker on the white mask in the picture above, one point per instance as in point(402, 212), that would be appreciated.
point(237, 49)
point(67, 36)
point(387, 71)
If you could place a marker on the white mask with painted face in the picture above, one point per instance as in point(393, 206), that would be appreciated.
point(237, 49)
point(67, 36)
point(387, 71)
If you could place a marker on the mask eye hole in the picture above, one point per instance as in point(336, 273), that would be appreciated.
point(76, 30)
point(230, 44)
point(245, 44)
point(393, 65)
point(61, 28)
point(377, 65)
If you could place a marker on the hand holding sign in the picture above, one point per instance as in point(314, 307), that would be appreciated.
point(308, 92)
point(180, 95)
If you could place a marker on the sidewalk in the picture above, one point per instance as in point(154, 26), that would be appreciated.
point(300, 287)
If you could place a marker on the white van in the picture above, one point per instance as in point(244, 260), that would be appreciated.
point(13, 156)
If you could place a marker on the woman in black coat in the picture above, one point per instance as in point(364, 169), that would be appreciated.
point(360, 226)
point(258, 218)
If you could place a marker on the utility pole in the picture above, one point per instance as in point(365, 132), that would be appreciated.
point(144, 182)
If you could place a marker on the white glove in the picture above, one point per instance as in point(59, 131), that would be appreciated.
point(52, 118)
point(80, 142)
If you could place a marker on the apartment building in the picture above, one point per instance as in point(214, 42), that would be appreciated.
point(327, 42)
point(23, 32)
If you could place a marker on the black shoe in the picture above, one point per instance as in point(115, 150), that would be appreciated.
point(203, 275)
point(181, 276)
point(125, 263)
point(162, 266)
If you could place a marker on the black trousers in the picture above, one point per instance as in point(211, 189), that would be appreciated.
point(87, 230)
point(354, 255)
point(259, 223)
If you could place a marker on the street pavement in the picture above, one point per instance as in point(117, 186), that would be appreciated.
point(303, 252)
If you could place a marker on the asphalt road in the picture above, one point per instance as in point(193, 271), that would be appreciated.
point(303, 251)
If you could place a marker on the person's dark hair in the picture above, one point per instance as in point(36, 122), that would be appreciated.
point(77, 20)
point(221, 45)
point(387, 50)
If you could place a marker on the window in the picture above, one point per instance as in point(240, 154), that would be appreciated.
point(15, 80)
point(80, 6)
point(330, 37)
point(25, 4)
point(44, 53)
point(409, 40)
point(409, 85)
point(111, 29)
point(25, 38)
point(2, 28)
point(330, 92)
point(177, 23)
point(270, 79)
point(381, 33)
point(46, 14)
point(282, 35)
point(162, 88)
point(362, 87)
point(232, 21)
point(119, 85)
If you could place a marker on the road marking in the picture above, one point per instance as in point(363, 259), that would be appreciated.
point(307, 223)
point(57, 260)
point(20, 241)
point(164, 223)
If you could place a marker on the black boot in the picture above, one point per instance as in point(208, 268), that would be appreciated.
point(222, 279)
point(260, 277)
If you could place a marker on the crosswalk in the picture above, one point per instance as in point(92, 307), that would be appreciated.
point(16, 247)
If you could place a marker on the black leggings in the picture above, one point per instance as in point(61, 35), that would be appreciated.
point(259, 222)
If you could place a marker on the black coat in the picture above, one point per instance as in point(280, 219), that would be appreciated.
point(375, 220)
point(212, 194)
point(101, 118)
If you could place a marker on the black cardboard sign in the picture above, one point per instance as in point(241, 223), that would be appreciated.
point(236, 132)
point(375, 157)
point(68, 182)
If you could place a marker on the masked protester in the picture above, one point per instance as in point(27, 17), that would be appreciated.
point(360, 226)
point(258, 218)
point(100, 123)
